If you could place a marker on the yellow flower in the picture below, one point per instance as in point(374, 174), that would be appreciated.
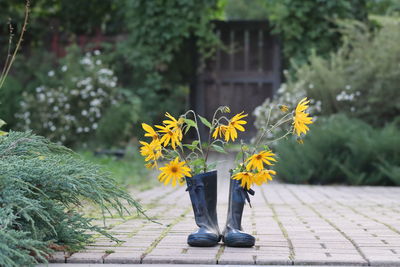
point(219, 131)
point(235, 124)
point(173, 123)
point(151, 151)
point(151, 165)
point(173, 172)
point(150, 132)
point(170, 135)
point(246, 178)
point(301, 119)
point(284, 108)
point(257, 160)
point(263, 176)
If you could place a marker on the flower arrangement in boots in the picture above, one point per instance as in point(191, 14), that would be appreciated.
point(187, 159)
point(189, 162)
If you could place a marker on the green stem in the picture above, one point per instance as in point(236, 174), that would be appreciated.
point(209, 138)
point(7, 68)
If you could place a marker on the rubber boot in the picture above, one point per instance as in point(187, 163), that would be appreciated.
point(202, 190)
point(233, 235)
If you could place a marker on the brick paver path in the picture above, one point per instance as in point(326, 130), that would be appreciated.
point(293, 224)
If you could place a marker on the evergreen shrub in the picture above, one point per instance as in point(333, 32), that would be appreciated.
point(340, 150)
point(42, 186)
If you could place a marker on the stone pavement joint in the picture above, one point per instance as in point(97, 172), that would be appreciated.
point(292, 224)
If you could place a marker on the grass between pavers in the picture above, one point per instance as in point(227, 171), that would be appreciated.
point(127, 172)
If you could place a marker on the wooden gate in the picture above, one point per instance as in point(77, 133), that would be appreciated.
point(241, 76)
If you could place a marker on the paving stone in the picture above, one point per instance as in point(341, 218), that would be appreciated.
point(90, 257)
point(173, 259)
point(58, 257)
point(123, 258)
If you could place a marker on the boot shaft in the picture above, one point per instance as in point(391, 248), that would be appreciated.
point(236, 203)
point(202, 190)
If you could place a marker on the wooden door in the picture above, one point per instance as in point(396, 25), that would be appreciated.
point(241, 76)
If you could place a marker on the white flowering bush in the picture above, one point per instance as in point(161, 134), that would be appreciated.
point(69, 104)
point(362, 79)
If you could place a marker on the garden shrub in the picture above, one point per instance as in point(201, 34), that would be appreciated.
point(70, 100)
point(42, 186)
point(156, 60)
point(306, 25)
point(362, 79)
point(342, 150)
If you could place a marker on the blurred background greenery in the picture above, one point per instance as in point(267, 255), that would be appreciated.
point(90, 71)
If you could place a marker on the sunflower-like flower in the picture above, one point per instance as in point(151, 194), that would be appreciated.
point(173, 123)
point(246, 178)
point(263, 176)
point(235, 124)
point(174, 172)
point(150, 132)
point(256, 162)
point(219, 131)
point(173, 136)
point(151, 151)
point(301, 118)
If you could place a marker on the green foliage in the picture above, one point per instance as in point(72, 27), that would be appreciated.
point(68, 102)
point(116, 126)
point(156, 58)
point(246, 10)
point(384, 7)
point(361, 79)
point(342, 150)
point(70, 17)
point(306, 25)
point(41, 186)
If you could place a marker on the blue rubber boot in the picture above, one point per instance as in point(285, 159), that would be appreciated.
point(233, 235)
point(202, 190)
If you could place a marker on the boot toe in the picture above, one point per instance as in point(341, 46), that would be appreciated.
point(239, 240)
point(203, 240)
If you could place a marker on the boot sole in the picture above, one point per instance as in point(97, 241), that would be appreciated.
point(202, 241)
point(239, 241)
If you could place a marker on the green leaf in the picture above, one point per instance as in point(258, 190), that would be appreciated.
point(266, 147)
point(191, 123)
point(193, 145)
point(197, 162)
point(2, 123)
point(187, 129)
point(219, 149)
point(205, 121)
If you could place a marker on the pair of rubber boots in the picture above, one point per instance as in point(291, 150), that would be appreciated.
point(202, 189)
